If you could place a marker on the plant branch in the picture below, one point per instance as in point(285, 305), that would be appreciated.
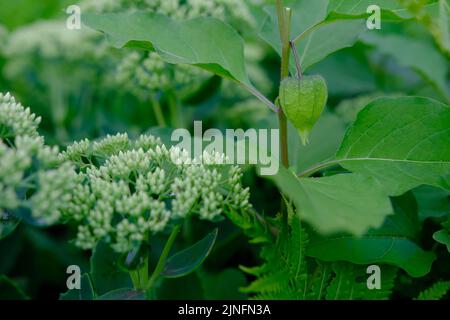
point(260, 96)
point(163, 258)
point(284, 23)
point(297, 61)
point(156, 105)
point(309, 30)
point(284, 19)
point(310, 171)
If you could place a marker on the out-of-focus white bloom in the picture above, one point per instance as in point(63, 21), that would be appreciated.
point(15, 120)
point(26, 163)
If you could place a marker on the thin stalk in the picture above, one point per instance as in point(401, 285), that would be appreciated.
point(156, 105)
point(174, 108)
point(297, 60)
point(260, 96)
point(134, 275)
point(310, 171)
point(163, 258)
point(309, 30)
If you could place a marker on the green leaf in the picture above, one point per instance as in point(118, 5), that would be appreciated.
point(436, 292)
point(205, 42)
point(7, 225)
point(325, 139)
point(105, 271)
point(433, 202)
point(359, 7)
point(319, 43)
point(188, 260)
point(223, 285)
point(443, 237)
point(391, 244)
point(123, 294)
point(346, 74)
point(191, 288)
point(9, 290)
point(420, 55)
point(86, 292)
point(327, 39)
point(350, 283)
point(345, 202)
point(402, 142)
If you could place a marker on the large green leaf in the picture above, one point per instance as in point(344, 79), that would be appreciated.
point(191, 288)
point(328, 38)
point(9, 290)
point(391, 244)
point(391, 9)
point(223, 285)
point(325, 139)
point(346, 202)
point(105, 271)
point(189, 259)
point(86, 292)
point(402, 142)
point(204, 42)
point(316, 44)
point(420, 55)
point(433, 202)
point(123, 294)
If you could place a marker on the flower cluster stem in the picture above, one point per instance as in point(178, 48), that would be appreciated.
point(163, 258)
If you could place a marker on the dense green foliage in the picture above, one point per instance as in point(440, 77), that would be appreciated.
point(90, 177)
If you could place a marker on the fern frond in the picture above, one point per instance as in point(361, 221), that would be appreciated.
point(318, 282)
point(350, 283)
point(283, 275)
point(435, 292)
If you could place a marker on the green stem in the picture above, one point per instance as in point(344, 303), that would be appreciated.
point(174, 108)
point(158, 112)
point(310, 171)
point(284, 22)
point(163, 258)
point(134, 275)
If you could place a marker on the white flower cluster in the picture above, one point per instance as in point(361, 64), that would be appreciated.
point(134, 189)
point(32, 176)
point(52, 40)
point(15, 120)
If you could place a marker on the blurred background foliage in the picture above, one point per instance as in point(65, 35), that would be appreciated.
point(83, 88)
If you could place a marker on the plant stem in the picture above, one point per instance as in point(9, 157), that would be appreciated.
point(284, 22)
point(284, 19)
point(297, 61)
point(310, 171)
point(162, 259)
point(260, 96)
point(158, 112)
point(174, 108)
